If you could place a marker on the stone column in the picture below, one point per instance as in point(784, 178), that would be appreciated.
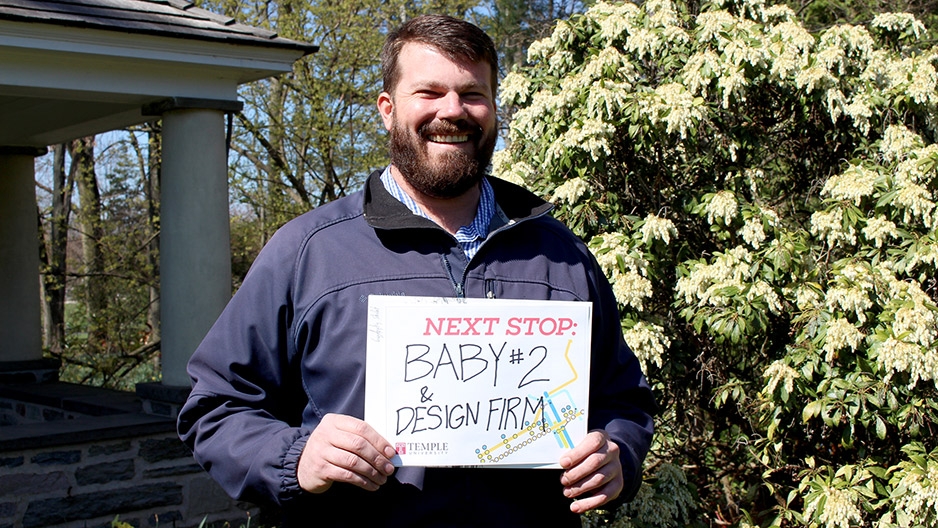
point(195, 250)
point(20, 319)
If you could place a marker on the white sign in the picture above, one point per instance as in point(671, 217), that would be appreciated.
point(478, 382)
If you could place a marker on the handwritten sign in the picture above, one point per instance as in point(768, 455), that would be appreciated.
point(477, 382)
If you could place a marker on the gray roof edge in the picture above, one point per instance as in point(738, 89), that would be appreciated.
point(228, 30)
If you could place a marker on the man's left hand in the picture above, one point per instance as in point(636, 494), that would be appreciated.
point(592, 472)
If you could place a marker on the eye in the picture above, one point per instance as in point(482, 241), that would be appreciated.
point(429, 93)
point(476, 95)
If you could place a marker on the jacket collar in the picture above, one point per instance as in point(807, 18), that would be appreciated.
point(383, 211)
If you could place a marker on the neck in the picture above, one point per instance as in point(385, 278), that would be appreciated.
point(448, 213)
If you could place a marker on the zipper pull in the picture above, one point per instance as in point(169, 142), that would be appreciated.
point(489, 288)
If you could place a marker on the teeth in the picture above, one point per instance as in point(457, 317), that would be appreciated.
point(448, 139)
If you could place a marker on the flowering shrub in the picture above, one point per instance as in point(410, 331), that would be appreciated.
point(763, 201)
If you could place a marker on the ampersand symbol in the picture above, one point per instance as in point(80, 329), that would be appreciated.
point(424, 397)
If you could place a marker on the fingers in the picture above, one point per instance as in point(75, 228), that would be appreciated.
point(344, 449)
point(592, 472)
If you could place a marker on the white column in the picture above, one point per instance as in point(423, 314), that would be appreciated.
point(20, 323)
point(195, 261)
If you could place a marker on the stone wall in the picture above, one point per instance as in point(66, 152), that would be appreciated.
point(148, 481)
point(84, 469)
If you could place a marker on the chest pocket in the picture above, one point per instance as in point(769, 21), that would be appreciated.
point(527, 287)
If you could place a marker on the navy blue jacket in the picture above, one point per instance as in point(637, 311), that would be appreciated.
point(290, 348)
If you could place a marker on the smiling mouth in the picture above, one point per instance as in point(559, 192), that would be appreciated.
point(448, 139)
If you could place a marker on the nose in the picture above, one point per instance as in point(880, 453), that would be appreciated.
point(451, 107)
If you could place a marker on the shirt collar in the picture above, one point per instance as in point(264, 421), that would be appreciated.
point(476, 230)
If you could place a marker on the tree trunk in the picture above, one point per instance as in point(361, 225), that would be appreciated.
point(89, 222)
point(154, 163)
point(53, 280)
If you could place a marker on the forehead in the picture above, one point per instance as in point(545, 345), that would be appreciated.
point(422, 64)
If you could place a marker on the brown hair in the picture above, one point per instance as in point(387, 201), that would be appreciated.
point(457, 39)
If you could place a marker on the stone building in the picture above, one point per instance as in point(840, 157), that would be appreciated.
point(76, 456)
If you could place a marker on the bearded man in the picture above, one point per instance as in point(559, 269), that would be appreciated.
point(277, 406)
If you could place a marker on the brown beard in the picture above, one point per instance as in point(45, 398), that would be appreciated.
point(450, 175)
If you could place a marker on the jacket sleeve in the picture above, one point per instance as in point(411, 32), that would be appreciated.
point(242, 418)
point(621, 401)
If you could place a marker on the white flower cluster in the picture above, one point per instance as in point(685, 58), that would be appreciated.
point(656, 228)
point(649, 343)
point(898, 23)
point(854, 184)
point(729, 47)
point(829, 225)
point(851, 290)
point(899, 356)
point(531, 121)
point(539, 50)
point(779, 372)
point(923, 252)
point(606, 98)
point(841, 333)
point(643, 42)
point(561, 62)
point(613, 247)
point(752, 232)
point(920, 499)
point(807, 298)
point(778, 13)
point(789, 45)
point(912, 181)
point(505, 168)
point(858, 108)
point(630, 286)
point(609, 65)
point(661, 13)
point(838, 510)
point(855, 41)
point(879, 230)
point(711, 24)
point(916, 201)
point(731, 83)
point(916, 77)
point(916, 319)
point(673, 105)
point(722, 206)
point(514, 89)
point(897, 142)
point(813, 78)
point(591, 136)
point(571, 190)
point(914, 332)
point(764, 291)
point(694, 78)
point(614, 20)
point(706, 284)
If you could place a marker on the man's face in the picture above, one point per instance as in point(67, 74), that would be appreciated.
point(441, 119)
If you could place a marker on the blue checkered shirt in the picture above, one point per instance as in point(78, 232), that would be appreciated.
point(470, 237)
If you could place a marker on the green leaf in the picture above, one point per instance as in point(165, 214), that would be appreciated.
point(811, 410)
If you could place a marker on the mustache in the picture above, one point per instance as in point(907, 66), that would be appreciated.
point(444, 128)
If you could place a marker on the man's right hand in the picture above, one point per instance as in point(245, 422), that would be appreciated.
point(344, 449)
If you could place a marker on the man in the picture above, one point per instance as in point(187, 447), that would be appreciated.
point(275, 414)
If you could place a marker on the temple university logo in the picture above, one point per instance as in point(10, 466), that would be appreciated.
point(400, 448)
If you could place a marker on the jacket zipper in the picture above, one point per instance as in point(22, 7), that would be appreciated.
point(457, 285)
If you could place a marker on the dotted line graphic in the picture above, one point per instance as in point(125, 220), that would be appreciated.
point(527, 436)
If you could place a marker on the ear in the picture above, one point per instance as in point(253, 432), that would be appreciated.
point(386, 108)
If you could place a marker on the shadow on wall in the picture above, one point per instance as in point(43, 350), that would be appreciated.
point(73, 456)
